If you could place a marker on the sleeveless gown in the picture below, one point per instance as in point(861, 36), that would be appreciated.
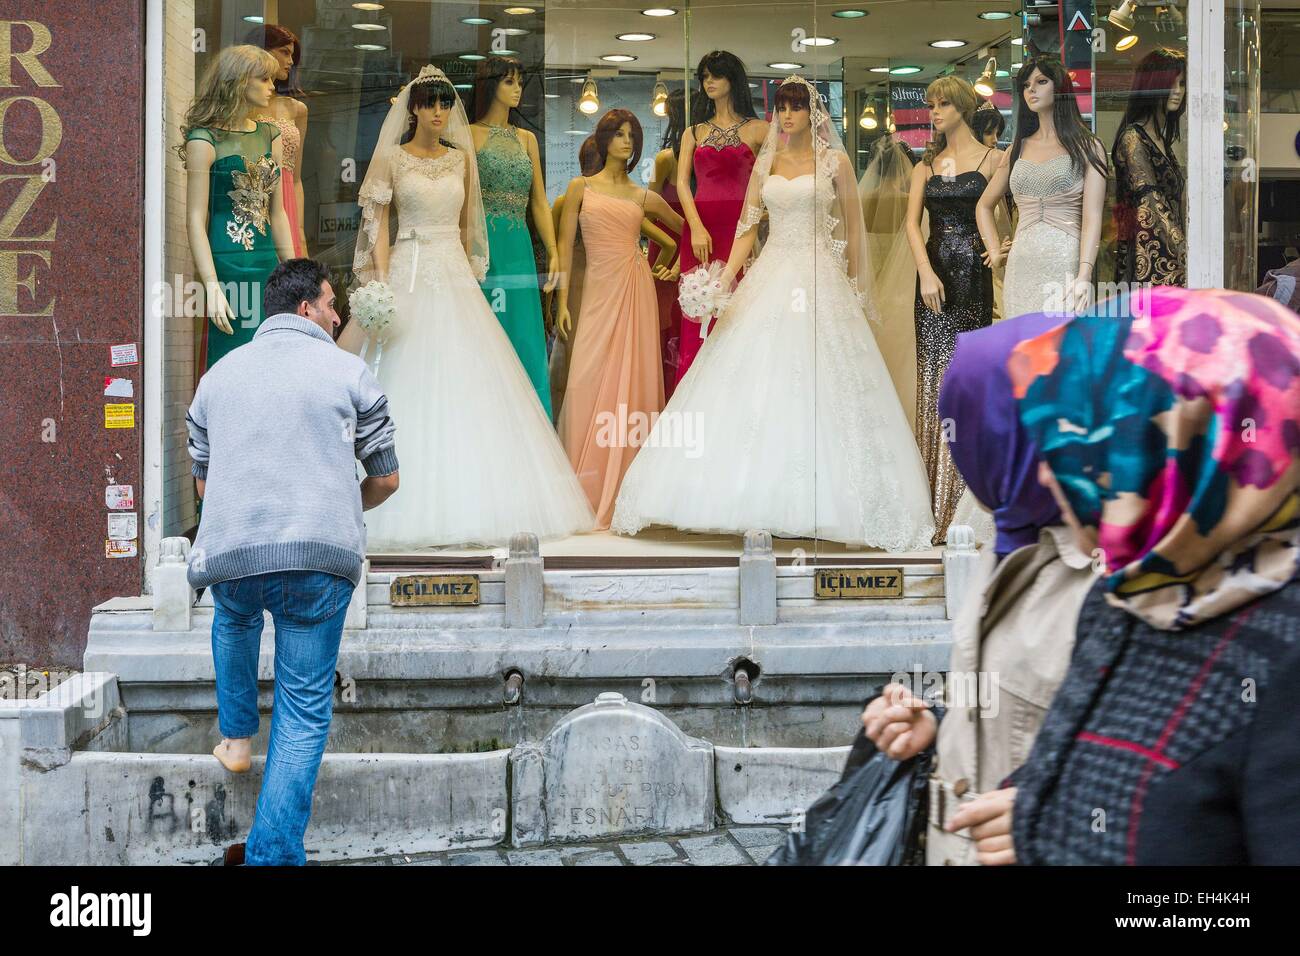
point(241, 183)
point(479, 459)
point(954, 249)
point(1044, 256)
point(788, 420)
point(290, 146)
point(722, 164)
point(615, 383)
point(506, 178)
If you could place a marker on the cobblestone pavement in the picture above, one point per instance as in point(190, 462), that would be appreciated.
point(732, 846)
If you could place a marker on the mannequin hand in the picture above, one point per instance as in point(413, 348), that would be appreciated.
point(563, 322)
point(552, 273)
point(661, 273)
point(701, 244)
point(932, 291)
point(899, 724)
point(989, 819)
point(675, 272)
point(220, 312)
point(1078, 296)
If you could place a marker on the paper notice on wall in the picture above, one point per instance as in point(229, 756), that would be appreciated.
point(119, 387)
point(123, 525)
point(119, 416)
point(118, 497)
point(119, 549)
point(124, 354)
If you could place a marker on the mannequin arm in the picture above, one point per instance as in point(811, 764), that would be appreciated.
point(380, 253)
point(658, 207)
point(300, 120)
point(667, 247)
point(199, 157)
point(685, 160)
point(663, 171)
point(541, 211)
point(281, 231)
point(915, 210)
point(986, 208)
point(1094, 198)
point(568, 232)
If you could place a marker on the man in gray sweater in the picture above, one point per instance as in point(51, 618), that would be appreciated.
point(275, 430)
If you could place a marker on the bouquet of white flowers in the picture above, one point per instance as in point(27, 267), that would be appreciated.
point(373, 307)
point(701, 293)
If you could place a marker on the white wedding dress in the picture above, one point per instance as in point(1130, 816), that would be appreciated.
point(479, 460)
point(787, 420)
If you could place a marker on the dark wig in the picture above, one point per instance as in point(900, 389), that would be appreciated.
point(791, 94)
point(720, 63)
point(488, 77)
point(988, 119)
point(676, 116)
point(1152, 82)
point(424, 95)
point(595, 147)
point(1084, 148)
point(271, 36)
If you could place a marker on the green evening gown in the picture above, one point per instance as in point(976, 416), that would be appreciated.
point(241, 184)
point(506, 178)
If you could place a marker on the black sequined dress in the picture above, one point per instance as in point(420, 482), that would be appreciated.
point(955, 251)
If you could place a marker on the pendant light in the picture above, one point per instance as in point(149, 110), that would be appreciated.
point(868, 119)
point(986, 85)
point(1122, 17)
point(659, 100)
point(589, 101)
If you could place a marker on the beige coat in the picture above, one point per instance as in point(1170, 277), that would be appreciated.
point(1011, 647)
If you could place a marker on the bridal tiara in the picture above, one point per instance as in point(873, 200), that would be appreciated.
point(429, 74)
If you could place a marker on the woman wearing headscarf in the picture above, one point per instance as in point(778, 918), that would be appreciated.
point(1013, 636)
point(1171, 428)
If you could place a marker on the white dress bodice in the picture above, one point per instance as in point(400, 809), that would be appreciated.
point(791, 211)
point(429, 193)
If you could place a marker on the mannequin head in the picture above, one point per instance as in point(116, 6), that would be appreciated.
point(238, 82)
point(284, 46)
point(791, 110)
point(989, 124)
point(429, 107)
point(1159, 93)
point(1047, 90)
point(617, 139)
point(952, 102)
point(722, 78)
point(500, 79)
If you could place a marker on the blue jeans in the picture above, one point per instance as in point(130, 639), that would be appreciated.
point(308, 608)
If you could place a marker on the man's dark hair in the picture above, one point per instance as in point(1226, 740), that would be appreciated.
point(293, 282)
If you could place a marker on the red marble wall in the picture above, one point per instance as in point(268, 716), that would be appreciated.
point(71, 261)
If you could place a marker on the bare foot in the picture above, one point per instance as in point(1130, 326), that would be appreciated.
point(235, 755)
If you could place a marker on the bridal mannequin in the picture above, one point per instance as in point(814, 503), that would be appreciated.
point(232, 166)
point(510, 169)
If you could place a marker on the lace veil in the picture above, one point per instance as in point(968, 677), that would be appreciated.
point(377, 188)
point(839, 211)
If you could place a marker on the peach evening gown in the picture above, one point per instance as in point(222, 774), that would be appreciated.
point(615, 384)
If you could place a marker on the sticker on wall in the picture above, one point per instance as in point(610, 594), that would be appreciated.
point(119, 387)
point(118, 549)
point(119, 416)
point(124, 354)
point(118, 497)
point(123, 525)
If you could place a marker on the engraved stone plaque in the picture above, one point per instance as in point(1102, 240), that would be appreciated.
point(612, 768)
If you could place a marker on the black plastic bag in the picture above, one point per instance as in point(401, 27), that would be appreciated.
point(874, 816)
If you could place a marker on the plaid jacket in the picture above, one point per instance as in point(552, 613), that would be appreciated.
point(1170, 748)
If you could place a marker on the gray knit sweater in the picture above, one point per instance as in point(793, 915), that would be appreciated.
point(275, 429)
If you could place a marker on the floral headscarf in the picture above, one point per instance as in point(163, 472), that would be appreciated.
point(1171, 419)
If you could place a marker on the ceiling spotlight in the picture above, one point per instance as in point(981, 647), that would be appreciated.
point(1017, 41)
point(820, 41)
point(472, 57)
point(996, 15)
point(947, 44)
point(659, 12)
point(476, 21)
point(505, 52)
point(785, 66)
point(868, 118)
point(515, 32)
point(635, 37)
point(1122, 16)
point(659, 99)
point(986, 85)
point(252, 19)
point(880, 69)
point(618, 58)
point(368, 7)
point(369, 26)
point(904, 70)
point(589, 101)
point(520, 11)
point(850, 14)
point(1126, 42)
point(369, 47)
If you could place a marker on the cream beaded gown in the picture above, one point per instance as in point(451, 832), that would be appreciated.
point(1044, 255)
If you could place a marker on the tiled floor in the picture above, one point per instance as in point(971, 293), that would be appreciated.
point(733, 846)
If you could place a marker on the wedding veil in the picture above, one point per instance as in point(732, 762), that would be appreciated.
point(838, 209)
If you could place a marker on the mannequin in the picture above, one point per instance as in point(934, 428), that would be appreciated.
point(1151, 244)
point(235, 219)
point(511, 173)
point(290, 116)
point(615, 378)
point(718, 149)
point(664, 182)
point(1056, 169)
point(954, 287)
